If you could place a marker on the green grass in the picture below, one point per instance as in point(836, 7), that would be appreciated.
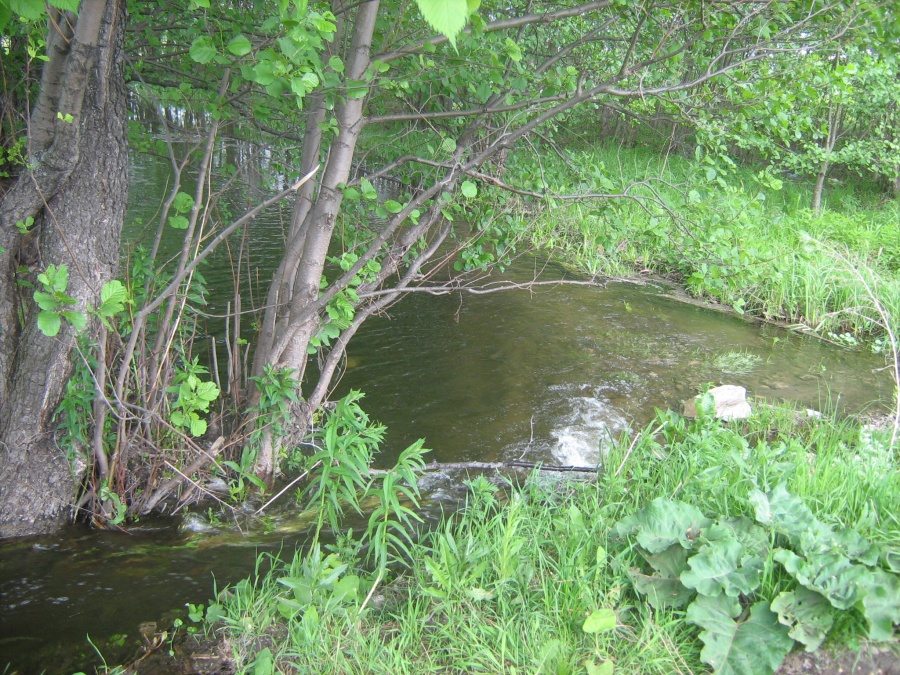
point(748, 241)
point(505, 586)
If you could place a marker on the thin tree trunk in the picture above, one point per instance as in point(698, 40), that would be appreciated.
point(819, 188)
point(77, 193)
point(288, 348)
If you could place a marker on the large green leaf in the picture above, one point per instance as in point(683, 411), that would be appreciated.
point(756, 646)
point(881, 604)
point(112, 298)
point(660, 591)
point(66, 5)
point(5, 16)
point(77, 319)
point(664, 522)
point(722, 567)
point(750, 535)
point(807, 614)
point(183, 202)
point(669, 563)
point(46, 301)
point(821, 539)
point(832, 575)
point(891, 558)
point(447, 17)
point(30, 10)
point(783, 511)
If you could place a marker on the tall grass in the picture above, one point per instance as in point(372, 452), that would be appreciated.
point(745, 239)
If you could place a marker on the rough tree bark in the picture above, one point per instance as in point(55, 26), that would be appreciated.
point(76, 192)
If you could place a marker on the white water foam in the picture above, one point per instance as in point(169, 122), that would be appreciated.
point(590, 427)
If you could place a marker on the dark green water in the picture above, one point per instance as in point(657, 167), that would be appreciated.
point(548, 375)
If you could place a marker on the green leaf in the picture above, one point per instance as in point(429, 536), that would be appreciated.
point(669, 563)
point(112, 298)
point(77, 319)
point(755, 646)
point(5, 16)
point(469, 189)
point(264, 663)
point(30, 10)
point(357, 88)
point(183, 202)
point(203, 50)
point(393, 207)
point(600, 621)
point(480, 595)
point(46, 301)
point(336, 64)
point(881, 604)
point(660, 591)
point(239, 45)
point(198, 427)
point(447, 17)
point(66, 5)
point(264, 73)
point(750, 535)
point(594, 668)
point(207, 391)
point(178, 222)
point(891, 558)
point(833, 575)
point(513, 51)
point(60, 277)
point(49, 323)
point(807, 614)
point(720, 567)
point(783, 511)
point(368, 191)
point(664, 522)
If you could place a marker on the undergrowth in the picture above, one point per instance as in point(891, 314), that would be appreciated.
point(744, 239)
point(695, 548)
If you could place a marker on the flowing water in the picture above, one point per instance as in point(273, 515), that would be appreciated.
point(549, 375)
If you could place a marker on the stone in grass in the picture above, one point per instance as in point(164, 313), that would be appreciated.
point(730, 401)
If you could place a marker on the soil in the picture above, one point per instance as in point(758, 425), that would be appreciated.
point(869, 660)
point(191, 655)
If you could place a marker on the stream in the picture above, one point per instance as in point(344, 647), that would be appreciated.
point(549, 375)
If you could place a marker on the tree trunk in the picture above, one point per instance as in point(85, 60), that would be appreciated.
point(286, 348)
point(819, 188)
point(77, 193)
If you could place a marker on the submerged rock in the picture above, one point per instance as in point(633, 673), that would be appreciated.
point(730, 403)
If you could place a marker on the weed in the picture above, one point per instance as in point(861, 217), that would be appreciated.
point(736, 362)
point(538, 577)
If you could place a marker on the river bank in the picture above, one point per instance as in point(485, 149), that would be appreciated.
point(553, 575)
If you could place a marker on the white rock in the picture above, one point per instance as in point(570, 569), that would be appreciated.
point(730, 401)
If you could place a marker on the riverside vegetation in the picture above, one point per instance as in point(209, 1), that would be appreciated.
point(701, 545)
point(698, 545)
